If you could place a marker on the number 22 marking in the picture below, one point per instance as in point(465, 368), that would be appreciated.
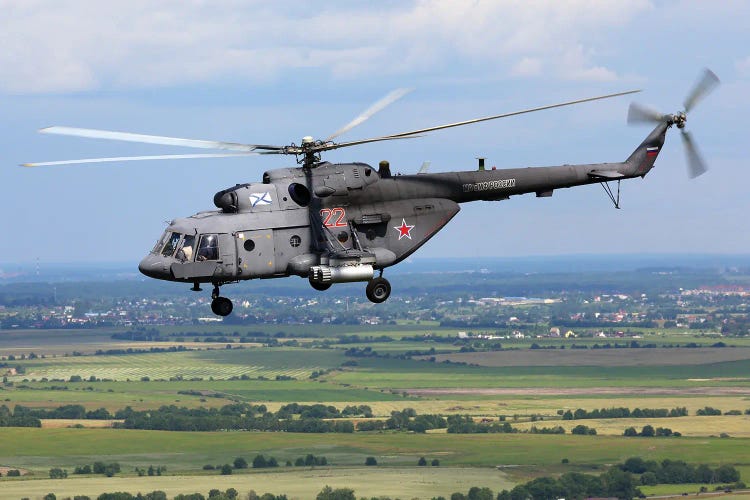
point(333, 217)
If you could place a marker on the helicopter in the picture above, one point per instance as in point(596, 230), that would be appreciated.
point(347, 222)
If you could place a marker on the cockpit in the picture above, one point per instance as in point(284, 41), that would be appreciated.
point(182, 247)
point(188, 255)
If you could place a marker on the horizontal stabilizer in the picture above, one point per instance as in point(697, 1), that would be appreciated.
point(606, 174)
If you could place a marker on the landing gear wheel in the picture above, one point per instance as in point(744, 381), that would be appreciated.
point(221, 306)
point(321, 287)
point(378, 290)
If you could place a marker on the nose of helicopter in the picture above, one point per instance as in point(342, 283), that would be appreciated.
point(155, 266)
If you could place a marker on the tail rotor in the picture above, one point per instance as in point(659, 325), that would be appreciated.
point(638, 114)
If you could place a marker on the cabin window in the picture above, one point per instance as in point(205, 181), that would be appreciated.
point(249, 245)
point(295, 241)
point(208, 248)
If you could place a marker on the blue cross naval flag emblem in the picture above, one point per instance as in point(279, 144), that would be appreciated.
point(260, 199)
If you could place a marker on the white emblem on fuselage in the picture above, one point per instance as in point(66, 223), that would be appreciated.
point(260, 199)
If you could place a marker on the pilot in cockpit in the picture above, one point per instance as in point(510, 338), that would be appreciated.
point(185, 253)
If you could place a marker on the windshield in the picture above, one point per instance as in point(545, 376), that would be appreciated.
point(171, 244)
point(160, 242)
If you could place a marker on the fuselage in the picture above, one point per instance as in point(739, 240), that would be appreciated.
point(300, 218)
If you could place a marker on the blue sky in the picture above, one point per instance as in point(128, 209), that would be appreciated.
point(272, 72)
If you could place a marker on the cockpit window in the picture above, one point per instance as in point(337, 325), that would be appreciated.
point(185, 252)
point(208, 248)
point(171, 245)
point(160, 243)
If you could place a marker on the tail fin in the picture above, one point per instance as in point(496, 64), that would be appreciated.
point(641, 161)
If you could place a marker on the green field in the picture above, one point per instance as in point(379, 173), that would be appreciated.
point(513, 383)
point(40, 449)
point(402, 482)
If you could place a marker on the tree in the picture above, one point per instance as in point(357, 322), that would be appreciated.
point(619, 483)
point(329, 493)
point(636, 465)
point(226, 470)
point(50, 496)
point(259, 462)
point(477, 493)
point(58, 473)
point(231, 493)
point(649, 479)
point(648, 431)
point(435, 462)
point(726, 474)
point(240, 463)
point(422, 461)
point(371, 461)
point(583, 430)
point(544, 487)
point(630, 432)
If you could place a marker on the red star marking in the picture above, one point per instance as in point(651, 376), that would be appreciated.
point(404, 230)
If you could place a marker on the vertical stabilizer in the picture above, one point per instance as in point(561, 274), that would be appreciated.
point(643, 158)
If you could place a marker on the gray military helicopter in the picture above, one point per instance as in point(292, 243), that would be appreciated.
point(347, 222)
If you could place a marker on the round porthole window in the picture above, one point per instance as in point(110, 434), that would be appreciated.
point(249, 245)
point(343, 237)
point(295, 241)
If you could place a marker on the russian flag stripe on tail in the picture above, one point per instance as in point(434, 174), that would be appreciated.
point(652, 151)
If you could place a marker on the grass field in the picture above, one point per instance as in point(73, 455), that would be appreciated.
point(517, 383)
point(220, 363)
point(734, 426)
point(40, 449)
point(409, 374)
point(602, 357)
point(402, 482)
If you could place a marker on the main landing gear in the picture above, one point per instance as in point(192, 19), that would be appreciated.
point(378, 290)
point(221, 306)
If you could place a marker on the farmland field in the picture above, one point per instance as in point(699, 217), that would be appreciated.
point(520, 385)
point(404, 482)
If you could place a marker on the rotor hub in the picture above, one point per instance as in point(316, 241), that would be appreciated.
point(679, 119)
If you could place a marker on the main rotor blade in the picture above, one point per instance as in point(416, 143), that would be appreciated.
point(138, 158)
point(696, 165)
point(638, 113)
point(413, 133)
point(704, 86)
point(153, 139)
point(389, 99)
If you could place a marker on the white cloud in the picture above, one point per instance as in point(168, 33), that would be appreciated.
point(70, 45)
point(528, 66)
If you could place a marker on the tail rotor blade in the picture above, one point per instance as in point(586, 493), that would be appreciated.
point(704, 86)
point(637, 113)
point(696, 165)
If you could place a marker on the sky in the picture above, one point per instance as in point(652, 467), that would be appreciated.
point(273, 72)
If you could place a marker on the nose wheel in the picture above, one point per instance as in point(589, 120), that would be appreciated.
point(221, 306)
point(378, 290)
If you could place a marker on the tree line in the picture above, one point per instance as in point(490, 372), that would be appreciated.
point(580, 413)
